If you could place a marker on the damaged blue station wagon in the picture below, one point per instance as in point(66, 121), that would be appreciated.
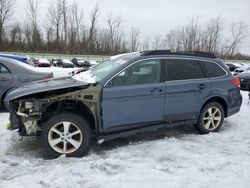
point(125, 95)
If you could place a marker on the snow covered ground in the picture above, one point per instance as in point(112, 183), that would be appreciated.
point(176, 157)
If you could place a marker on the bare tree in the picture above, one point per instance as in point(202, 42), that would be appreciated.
point(210, 37)
point(93, 30)
point(6, 11)
point(76, 24)
point(134, 39)
point(32, 13)
point(113, 28)
point(195, 37)
point(64, 9)
point(156, 43)
point(28, 35)
point(66, 29)
point(16, 36)
point(238, 32)
point(145, 44)
point(55, 17)
point(49, 36)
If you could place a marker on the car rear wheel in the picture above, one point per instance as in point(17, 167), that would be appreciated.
point(211, 118)
point(66, 134)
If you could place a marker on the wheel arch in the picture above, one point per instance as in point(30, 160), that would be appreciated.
point(219, 100)
point(73, 106)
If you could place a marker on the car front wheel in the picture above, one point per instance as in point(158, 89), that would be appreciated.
point(66, 134)
point(211, 118)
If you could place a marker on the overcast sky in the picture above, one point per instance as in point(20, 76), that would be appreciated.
point(157, 17)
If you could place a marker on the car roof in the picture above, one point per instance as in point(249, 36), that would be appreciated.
point(17, 66)
point(12, 56)
point(206, 56)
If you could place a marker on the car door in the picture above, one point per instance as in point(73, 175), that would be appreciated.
point(186, 88)
point(134, 96)
point(5, 79)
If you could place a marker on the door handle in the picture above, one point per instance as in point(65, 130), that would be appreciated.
point(202, 86)
point(156, 91)
point(4, 79)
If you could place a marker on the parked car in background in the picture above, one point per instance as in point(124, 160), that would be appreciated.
point(232, 66)
point(244, 81)
point(93, 63)
point(65, 63)
point(242, 69)
point(42, 62)
point(123, 96)
point(58, 72)
point(14, 74)
point(19, 58)
point(79, 62)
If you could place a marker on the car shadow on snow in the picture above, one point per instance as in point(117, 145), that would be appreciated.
point(175, 131)
point(28, 147)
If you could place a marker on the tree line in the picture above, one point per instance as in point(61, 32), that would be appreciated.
point(67, 30)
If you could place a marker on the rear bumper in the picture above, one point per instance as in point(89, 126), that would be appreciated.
point(233, 111)
point(234, 104)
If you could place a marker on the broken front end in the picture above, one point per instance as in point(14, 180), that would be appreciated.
point(29, 112)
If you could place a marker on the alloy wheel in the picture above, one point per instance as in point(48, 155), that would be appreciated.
point(65, 137)
point(212, 118)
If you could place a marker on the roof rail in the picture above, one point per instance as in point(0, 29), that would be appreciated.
point(186, 53)
point(196, 53)
point(156, 52)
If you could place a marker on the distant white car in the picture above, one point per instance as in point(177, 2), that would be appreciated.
point(242, 69)
point(93, 63)
point(58, 72)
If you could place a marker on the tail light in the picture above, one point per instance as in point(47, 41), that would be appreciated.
point(236, 81)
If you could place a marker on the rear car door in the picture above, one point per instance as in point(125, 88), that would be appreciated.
point(134, 96)
point(186, 88)
point(5, 79)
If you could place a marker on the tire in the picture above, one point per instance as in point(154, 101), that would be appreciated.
point(65, 134)
point(210, 119)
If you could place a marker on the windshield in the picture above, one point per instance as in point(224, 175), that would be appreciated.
point(100, 71)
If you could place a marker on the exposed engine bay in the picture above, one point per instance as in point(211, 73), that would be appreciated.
point(28, 113)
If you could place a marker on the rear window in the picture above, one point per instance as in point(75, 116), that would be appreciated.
point(182, 69)
point(213, 69)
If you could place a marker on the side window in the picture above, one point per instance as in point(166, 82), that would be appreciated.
point(143, 72)
point(213, 69)
point(182, 69)
point(3, 69)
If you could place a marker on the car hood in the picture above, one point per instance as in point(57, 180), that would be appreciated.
point(42, 86)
